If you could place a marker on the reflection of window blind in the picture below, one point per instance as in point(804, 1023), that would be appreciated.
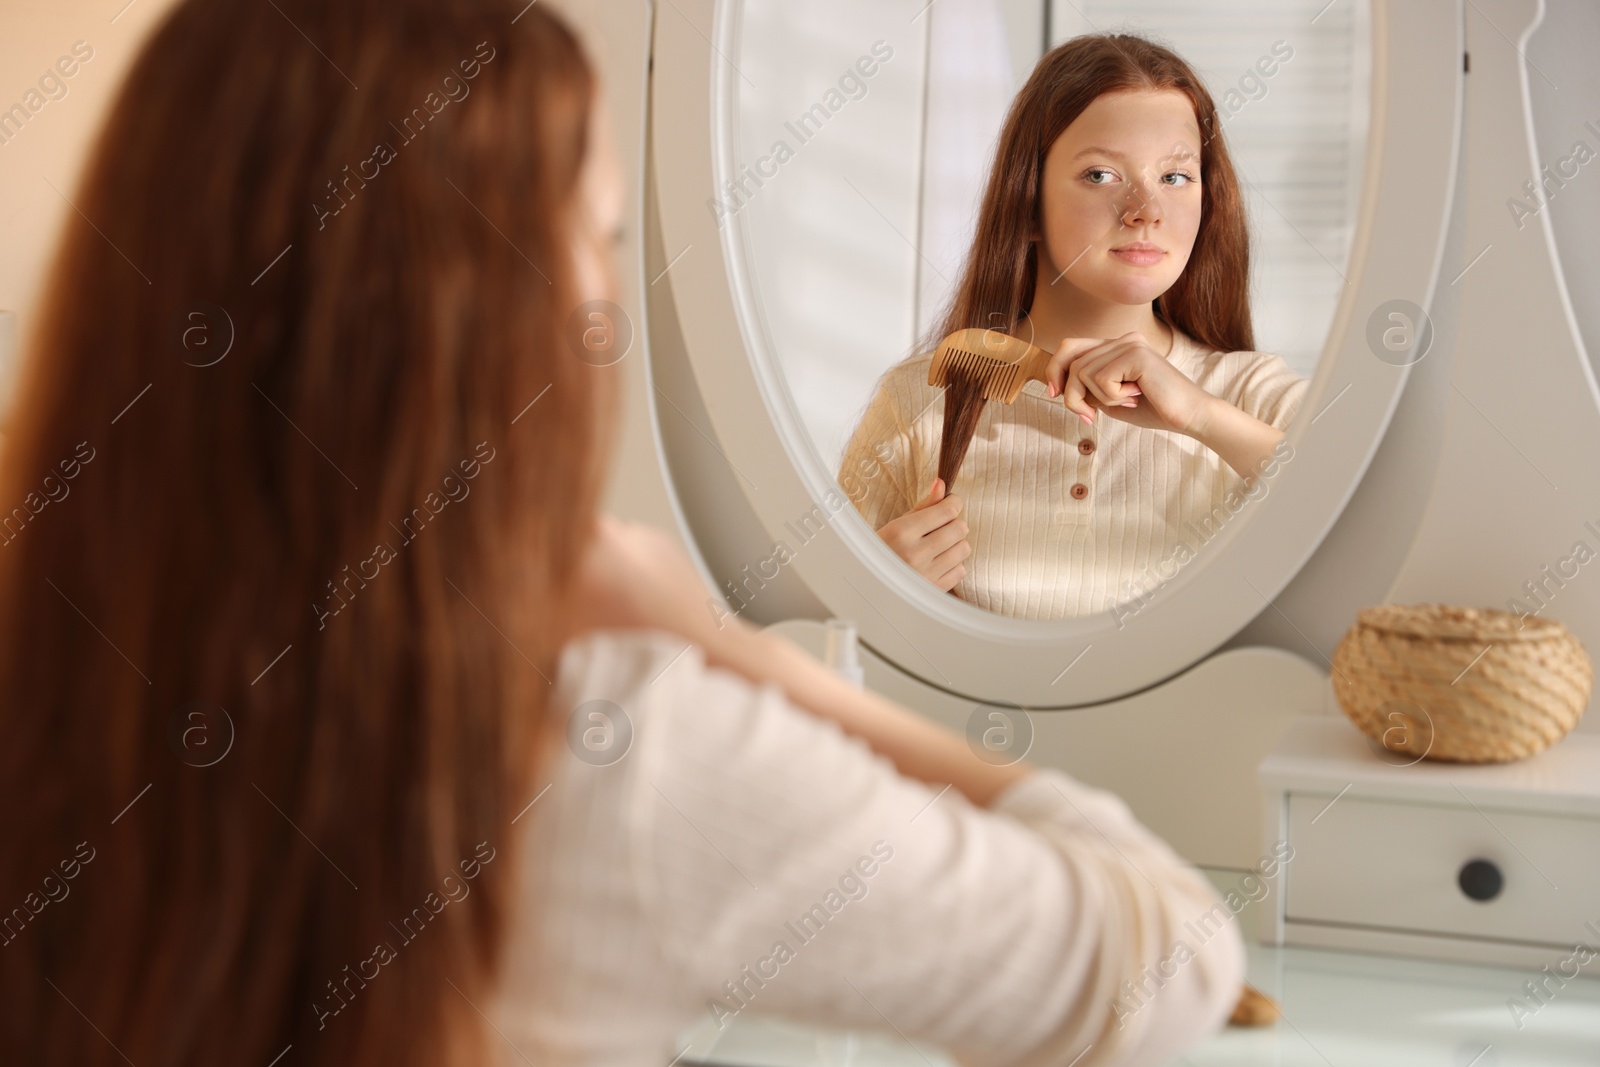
point(1297, 138)
point(969, 82)
point(829, 233)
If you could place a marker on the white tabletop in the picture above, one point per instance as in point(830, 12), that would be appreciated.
point(1340, 1009)
point(1327, 753)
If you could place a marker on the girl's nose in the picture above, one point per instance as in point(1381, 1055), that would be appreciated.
point(1141, 207)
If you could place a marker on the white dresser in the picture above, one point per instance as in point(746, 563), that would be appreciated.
point(1486, 863)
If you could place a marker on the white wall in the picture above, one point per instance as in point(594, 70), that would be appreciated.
point(1361, 556)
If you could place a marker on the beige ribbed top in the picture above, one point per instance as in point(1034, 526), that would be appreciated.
point(719, 851)
point(1151, 500)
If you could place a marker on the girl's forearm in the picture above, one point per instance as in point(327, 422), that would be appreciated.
point(1244, 442)
point(918, 747)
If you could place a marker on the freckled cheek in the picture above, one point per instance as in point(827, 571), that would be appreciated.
point(1188, 225)
point(1080, 222)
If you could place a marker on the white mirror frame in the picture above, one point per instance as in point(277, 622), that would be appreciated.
point(1405, 203)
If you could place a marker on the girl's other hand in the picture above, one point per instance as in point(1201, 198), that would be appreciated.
point(1128, 380)
point(932, 537)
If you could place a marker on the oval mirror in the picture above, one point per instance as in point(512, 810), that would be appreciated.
point(836, 197)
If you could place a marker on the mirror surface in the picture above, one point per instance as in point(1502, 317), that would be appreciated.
point(865, 137)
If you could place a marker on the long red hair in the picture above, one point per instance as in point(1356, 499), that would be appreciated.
point(1210, 301)
point(350, 535)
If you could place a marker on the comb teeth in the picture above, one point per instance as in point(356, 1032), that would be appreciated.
point(998, 377)
point(1001, 373)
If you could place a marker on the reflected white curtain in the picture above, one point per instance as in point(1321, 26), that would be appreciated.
point(970, 82)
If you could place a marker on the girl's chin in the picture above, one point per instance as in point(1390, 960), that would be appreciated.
point(1122, 285)
point(1132, 295)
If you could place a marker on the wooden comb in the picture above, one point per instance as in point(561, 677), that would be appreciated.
point(1255, 1008)
point(974, 366)
point(1000, 362)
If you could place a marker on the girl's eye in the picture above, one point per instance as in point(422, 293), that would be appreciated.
point(1089, 174)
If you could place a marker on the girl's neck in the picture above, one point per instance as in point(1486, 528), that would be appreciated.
point(1047, 323)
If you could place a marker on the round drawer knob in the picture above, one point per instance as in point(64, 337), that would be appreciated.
point(1481, 879)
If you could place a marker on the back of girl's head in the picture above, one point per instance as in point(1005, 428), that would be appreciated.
point(1209, 301)
point(286, 538)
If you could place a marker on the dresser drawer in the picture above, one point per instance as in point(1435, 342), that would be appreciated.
point(1392, 864)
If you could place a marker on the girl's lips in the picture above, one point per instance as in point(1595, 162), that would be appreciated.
point(1138, 257)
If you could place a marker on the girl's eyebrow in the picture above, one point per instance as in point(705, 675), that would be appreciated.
point(1092, 149)
point(1182, 153)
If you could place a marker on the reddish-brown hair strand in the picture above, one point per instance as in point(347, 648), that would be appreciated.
point(198, 557)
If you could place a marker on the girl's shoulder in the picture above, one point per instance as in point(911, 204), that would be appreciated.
point(1208, 365)
point(904, 385)
point(910, 372)
point(1259, 383)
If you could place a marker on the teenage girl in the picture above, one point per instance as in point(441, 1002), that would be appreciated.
point(1111, 234)
point(520, 800)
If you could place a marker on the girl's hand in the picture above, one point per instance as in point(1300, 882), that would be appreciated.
point(932, 537)
point(1130, 381)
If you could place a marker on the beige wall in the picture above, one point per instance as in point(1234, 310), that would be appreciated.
point(617, 36)
point(51, 145)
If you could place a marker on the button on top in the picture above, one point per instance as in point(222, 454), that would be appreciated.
point(1080, 491)
point(1085, 446)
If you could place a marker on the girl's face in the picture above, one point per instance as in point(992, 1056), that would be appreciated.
point(1123, 176)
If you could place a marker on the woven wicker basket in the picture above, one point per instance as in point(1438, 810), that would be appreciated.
point(1464, 685)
